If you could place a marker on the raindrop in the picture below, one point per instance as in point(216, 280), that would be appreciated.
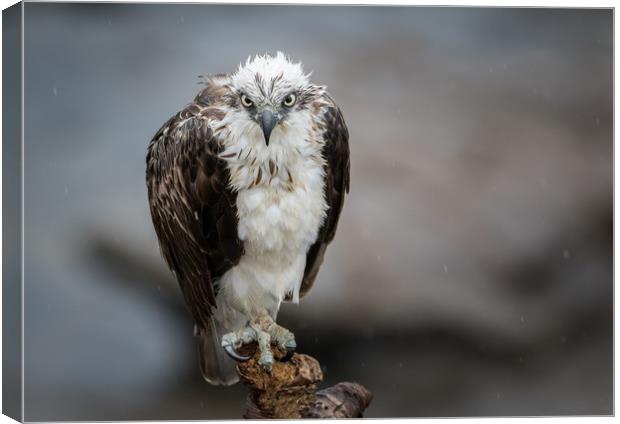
point(445, 268)
point(55, 91)
point(522, 319)
point(566, 254)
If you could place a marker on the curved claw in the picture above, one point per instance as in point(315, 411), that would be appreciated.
point(289, 354)
point(233, 354)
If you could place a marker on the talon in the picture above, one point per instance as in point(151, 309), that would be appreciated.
point(233, 354)
point(267, 366)
point(290, 350)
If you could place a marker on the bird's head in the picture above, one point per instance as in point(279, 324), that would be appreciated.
point(273, 93)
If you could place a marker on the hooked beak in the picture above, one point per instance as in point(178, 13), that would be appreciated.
point(267, 122)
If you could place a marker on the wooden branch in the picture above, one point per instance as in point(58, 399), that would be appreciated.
point(344, 400)
point(290, 390)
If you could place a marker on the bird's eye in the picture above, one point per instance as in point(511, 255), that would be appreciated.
point(289, 100)
point(246, 102)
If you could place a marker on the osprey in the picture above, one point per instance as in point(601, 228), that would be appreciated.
point(245, 188)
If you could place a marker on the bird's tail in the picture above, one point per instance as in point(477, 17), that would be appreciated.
point(216, 366)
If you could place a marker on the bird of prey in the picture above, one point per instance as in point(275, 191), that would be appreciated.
point(245, 186)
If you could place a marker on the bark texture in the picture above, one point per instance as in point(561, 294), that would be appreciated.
point(290, 391)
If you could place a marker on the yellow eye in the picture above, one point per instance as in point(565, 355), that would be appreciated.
point(246, 102)
point(289, 100)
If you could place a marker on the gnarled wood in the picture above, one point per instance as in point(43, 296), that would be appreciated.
point(344, 400)
point(290, 390)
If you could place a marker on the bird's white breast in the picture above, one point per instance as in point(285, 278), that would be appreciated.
point(277, 228)
point(278, 220)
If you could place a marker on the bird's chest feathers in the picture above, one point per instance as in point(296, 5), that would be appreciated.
point(280, 208)
point(280, 199)
point(277, 224)
point(282, 219)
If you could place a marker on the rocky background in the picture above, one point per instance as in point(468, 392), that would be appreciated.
point(472, 271)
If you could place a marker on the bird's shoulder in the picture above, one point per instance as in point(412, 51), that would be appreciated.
point(190, 131)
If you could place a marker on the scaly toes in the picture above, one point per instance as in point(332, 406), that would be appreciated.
point(265, 332)
point(285, 340)
point(264, 346)
point(231, 341)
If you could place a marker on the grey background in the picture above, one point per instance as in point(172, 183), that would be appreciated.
point(472, 270)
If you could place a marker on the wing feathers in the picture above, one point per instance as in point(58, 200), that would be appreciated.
point(336, 155)
point(193, 211)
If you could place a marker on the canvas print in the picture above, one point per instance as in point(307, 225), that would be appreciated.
point(217, 211)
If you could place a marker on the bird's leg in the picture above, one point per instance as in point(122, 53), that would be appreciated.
point(264, 346)
point(280, 336)
point(264, 331)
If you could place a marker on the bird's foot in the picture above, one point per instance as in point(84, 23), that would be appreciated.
point(265, 332)
point(236, 339)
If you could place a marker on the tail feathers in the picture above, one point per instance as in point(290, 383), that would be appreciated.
point(216, 366)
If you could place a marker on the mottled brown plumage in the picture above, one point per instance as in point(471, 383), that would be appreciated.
point(193, 210)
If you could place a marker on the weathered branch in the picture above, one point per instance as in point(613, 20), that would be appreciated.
point(344, 400)
point(290, 390)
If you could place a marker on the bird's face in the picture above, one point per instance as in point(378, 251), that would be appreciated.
point(273, 94)
point(269, 111)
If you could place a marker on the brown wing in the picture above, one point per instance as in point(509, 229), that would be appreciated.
point(336, 155)
point(193, 210)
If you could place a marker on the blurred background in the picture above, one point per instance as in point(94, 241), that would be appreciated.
point(472, 271)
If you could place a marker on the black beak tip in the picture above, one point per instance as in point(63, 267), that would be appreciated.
point(268, 122)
